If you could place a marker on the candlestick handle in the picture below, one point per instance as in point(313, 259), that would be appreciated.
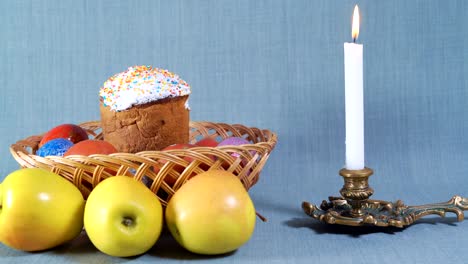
point(455, 205)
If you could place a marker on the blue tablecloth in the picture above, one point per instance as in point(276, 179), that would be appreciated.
point(269, 64)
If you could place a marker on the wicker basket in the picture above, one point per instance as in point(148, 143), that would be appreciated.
point(164, 172)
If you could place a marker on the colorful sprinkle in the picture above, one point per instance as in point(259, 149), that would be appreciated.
point(139, 85)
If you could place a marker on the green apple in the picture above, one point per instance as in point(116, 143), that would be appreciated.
point(211, 213)
point(39, 210)
point(123, 217)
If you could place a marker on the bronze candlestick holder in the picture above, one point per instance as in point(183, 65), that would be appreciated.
point(355, 209)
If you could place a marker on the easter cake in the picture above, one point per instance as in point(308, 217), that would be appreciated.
point(144, 108)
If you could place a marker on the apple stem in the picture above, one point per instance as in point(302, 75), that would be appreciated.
point(127, 221)
point(261, 217)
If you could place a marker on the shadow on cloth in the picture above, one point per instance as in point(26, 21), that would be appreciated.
point(357, 231)
point(268, 208)
point(167, 248)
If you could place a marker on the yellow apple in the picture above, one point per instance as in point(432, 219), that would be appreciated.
point(123, 217)
point(39, 210)
point(211, 213)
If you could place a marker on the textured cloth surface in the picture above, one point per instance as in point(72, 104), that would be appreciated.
point(276, 65)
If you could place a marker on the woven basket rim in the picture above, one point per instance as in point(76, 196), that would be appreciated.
point(272, 140)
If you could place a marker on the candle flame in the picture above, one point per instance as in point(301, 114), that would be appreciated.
point(355, 27)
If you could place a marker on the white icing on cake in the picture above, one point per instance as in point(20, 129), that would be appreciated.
point(139, 85)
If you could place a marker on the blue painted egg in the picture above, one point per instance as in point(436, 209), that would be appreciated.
point(54, 147)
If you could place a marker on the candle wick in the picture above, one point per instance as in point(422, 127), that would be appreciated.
point(354, 40)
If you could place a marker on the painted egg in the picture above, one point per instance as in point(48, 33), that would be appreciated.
point(71, 132)
point(235, 141)
point(179, 146)
point(54, 147)
point(207, 142)
point(90, 146)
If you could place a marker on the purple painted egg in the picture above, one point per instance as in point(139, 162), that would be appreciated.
point(235, 141)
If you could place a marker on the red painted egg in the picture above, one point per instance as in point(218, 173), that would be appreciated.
point(71, 132)
point(89, 147)
point(179, 146)
point(207, 142)
point(169, 179)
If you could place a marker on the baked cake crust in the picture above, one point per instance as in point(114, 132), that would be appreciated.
point(151, 126)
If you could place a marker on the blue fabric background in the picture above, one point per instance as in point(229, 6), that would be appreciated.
point(269, 64)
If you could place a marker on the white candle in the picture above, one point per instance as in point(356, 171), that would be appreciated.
point(354, 102)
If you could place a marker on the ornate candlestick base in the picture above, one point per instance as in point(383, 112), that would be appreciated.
point(354, 208)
